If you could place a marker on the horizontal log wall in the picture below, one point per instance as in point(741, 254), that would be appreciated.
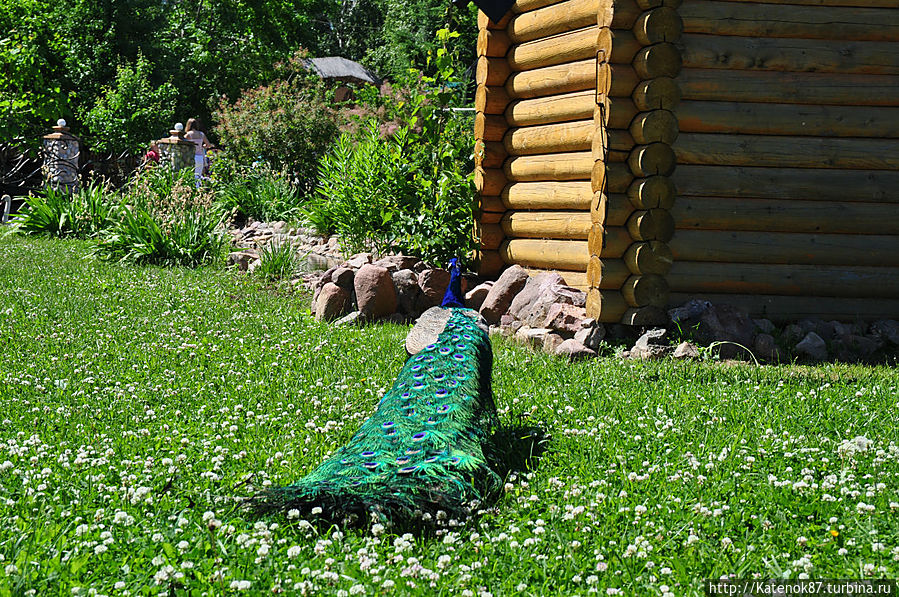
point(535, 101)
point(787, 159)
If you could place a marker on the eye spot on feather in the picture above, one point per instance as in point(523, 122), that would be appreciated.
point(455, 460)
point(430, 347)
point(443, 409)
point(367, 454)
point(387, 424)
point(416, 367)
point(430, 459)
point(431, 421)
point(419, 436)
point(371, 465)
point(413, 451)
point(461, 346)
point(441, 392)
point(345, 461)
point(439, 377)
point(466, 336)
point(418, 376)
point(459, 357)
point(402, 460)
point(407, 469)
point(445, 350)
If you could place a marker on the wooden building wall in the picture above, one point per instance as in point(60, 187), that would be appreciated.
point(773, 124)
point(788, 157)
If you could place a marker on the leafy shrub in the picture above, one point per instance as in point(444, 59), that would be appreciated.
point(259, 193)
point(164, 219)
point(132, 111)
point(287, 125)
point(406, 185)
point(278, 260)
point(60, 213)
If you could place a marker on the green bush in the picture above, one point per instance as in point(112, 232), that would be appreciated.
point(164, 219)
point(259, 193)
point(286, 125)
point(60, 213)
point(403, 180)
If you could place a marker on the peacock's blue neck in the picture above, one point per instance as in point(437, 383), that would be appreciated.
point(453, 296)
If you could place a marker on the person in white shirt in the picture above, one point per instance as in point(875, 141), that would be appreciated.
point(193, 134)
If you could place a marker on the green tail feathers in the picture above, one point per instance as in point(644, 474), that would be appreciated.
point(427, 446)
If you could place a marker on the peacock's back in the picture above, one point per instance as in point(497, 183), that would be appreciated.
point(427, 446)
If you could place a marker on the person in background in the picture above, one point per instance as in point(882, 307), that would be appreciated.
point(193, 134)
point(152, 155)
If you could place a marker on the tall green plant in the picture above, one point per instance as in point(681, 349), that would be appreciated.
point(164, 219)
point(403, 181)
point(60, 213)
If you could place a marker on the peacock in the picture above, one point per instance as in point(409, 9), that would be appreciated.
point(432, 443)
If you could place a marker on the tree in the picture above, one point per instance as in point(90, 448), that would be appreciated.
point(132, 111)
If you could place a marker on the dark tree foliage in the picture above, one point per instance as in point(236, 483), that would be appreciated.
point(61, 58)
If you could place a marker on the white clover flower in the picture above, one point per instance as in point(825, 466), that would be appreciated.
point(183, 546)
point(294, 551)
point(100, 549)
point(81, 529)
point(11, 569)
point(240, 585)
point(316, 510)
point(157, 538)
point(207, 516)
point(119, 586)
point(357, 590)
point(293, 514)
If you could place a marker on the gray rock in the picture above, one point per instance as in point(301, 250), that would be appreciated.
point(551, 341)
point(375, 292)
point(253, 265)
point(343, 277)
point(822, 328)
point(764, 325)
point(765, 348)
point(500, 296)
point(354, 318)
point(812, 347)
point(565, 319)
point(475, 297)
point(857, 347)
point(333, 302)
point(685, 350)
point(533, 337)
point(535, 314)
point(433, 284)
point(707, 323)
point(591, 336)
point(653, 337)
point(887, 330)
point(793, 334)
point(242, 259)
point(532, 290)
point(358, 260)
point(651, 345)
point(647, 352)
point(420, 267)
point(574, 350)
point(395, 263)
point(407, 291)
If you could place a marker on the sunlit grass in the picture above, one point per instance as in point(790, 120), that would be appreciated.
point(137, 402)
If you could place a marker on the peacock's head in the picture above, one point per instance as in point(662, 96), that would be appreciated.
point(453, 296)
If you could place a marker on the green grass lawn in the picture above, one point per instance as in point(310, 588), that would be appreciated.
point(137, 403)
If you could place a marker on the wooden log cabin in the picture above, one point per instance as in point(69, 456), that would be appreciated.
point(653, 151)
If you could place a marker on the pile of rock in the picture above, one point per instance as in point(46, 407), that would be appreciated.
point(319, 251)
point(734, 335)
point(540, 311)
